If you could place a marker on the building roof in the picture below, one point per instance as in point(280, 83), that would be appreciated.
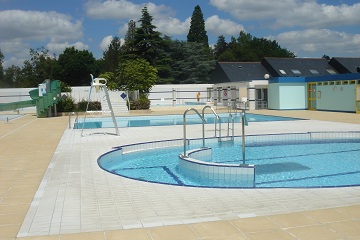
point(298, 67)
point(345, 65)
point(283, 67)
point(237, 72)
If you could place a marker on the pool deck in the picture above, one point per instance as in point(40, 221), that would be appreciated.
point(52, 188)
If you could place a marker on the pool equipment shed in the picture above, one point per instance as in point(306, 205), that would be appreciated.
point(338, 92)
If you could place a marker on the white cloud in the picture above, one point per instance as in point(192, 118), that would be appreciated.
point(58, 48)
point(173, 26)
point(291, 13)
point(324, 41)
point(15, 52)
point(35, 25)
point(112, 9)
point(106, 42)
point(123, 9)
point(218, 26)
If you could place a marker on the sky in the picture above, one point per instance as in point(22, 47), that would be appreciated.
point(309, 28)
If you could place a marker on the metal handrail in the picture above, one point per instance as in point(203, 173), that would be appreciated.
point(232, 126)
point(184, 126)
point(216, 120)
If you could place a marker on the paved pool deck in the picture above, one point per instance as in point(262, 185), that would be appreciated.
point(52, 188)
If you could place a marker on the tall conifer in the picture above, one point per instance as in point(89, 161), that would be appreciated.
point(197, 32)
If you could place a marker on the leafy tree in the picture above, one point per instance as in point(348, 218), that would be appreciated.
point(76, 66)
point(197, 32)
point(164, 61)
point(247, 48)
point(326, 57)
point(112, 55)
point(40, 67)
point(12, 77)
point(112, 82)
point(1, 66)
point(190, 63)
point(137, 74)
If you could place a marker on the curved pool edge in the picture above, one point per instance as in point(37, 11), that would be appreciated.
point(119, 150)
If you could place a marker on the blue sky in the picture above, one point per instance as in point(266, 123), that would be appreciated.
point(309, 28)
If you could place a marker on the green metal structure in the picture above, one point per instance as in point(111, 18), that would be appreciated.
point(42, 103)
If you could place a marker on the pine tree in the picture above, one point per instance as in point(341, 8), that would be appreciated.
point(147, 40)
point(130, 36)
point(197, 32)
point(1, 66)
point(220, 46)
point(112, 55)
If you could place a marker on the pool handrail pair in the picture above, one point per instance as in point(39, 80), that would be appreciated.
point(202, 117)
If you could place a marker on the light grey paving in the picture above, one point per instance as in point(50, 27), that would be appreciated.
point(75, 195)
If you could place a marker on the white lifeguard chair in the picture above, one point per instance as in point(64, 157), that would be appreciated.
point(100, 83)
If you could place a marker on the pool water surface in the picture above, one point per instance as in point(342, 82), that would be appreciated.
point(165, 120)
point(282, 164)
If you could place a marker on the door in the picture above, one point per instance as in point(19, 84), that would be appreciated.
point(312, 96)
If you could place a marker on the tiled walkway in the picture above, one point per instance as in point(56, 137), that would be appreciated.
point(52, 188)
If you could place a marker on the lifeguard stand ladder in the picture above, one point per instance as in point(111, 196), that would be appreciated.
point(100, 83)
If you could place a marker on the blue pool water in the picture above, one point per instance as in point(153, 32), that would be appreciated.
point(282, 164)
point(145, 121)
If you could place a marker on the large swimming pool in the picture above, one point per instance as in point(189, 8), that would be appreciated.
point(165, 120)
point(281, 160)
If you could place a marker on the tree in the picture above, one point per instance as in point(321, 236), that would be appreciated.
point(40, 67)
point(76, 66)
point(197, 32)
point(147, 41)
point(325, 57)
point(247, 48)
point(130, 36)
point(220, 46)
point(112, 55)
point(137, 74)
point(12, 77)
point(190, 63)
point(1, 66)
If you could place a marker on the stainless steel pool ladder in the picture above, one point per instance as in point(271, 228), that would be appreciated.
point(202, 117)
point(217, 120)
point(184, 125)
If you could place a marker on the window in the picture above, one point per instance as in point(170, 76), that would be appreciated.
point(331, 71)
point(326, 83)
point(319, 83)
point(314, 71)
point(345, 82)
point(282, 71)
point(332, 83)
point(296, 71)
point(352, 82)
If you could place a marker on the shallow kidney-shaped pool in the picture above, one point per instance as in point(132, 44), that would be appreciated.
point(283, 160)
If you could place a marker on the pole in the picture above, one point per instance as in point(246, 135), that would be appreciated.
point(243, 135)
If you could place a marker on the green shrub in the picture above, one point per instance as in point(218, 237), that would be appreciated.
point(66, 104)
point(140, 104)
point(93, 106)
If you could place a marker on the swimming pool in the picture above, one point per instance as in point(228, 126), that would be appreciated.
point(9, 117)
point(281, 160)
point(165, 120)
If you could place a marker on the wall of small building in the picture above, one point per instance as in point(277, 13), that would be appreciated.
point(336, 96)
point(274, 96)
point(287, 94)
